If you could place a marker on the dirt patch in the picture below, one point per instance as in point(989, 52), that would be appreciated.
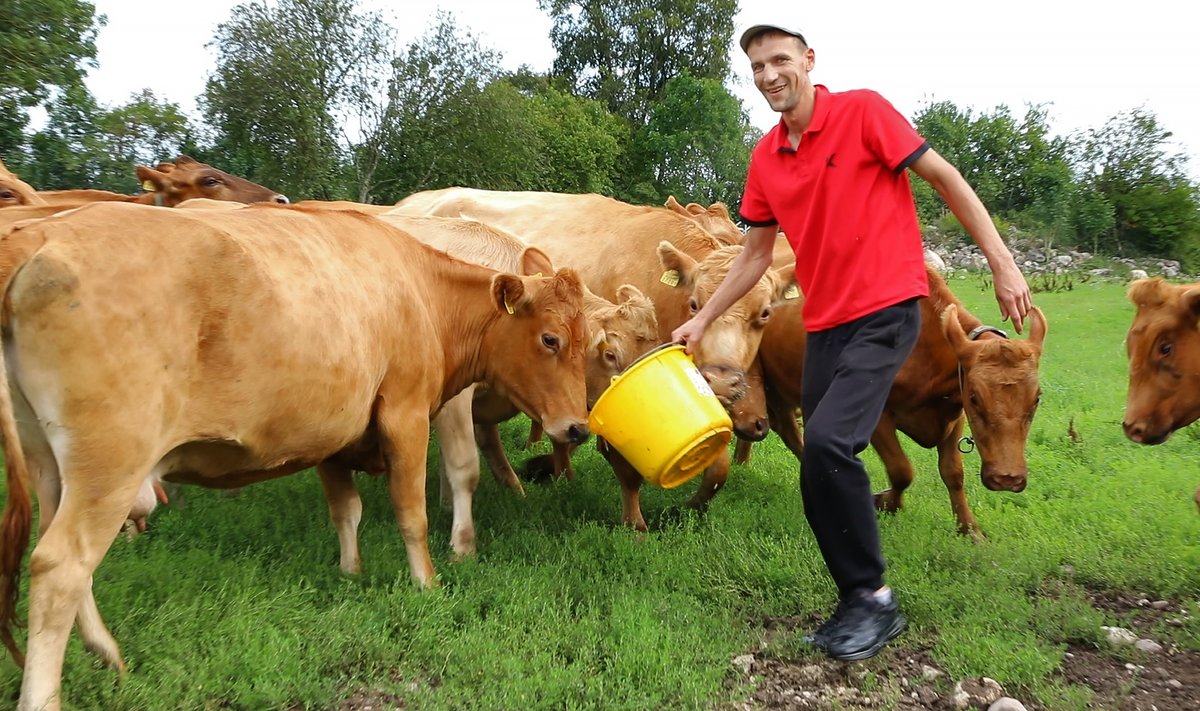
point(908, 679)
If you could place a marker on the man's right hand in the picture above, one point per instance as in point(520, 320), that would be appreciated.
point(690, 332)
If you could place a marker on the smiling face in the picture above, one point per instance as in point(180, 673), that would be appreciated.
point(781, 64)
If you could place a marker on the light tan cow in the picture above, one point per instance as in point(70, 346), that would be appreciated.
point(269, 340)
point(173, 183)
point(1163, 345)
point(669, 257)
point(15, 192)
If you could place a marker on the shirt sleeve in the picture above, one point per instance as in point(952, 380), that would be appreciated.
point(754, 210)
point(888, 134)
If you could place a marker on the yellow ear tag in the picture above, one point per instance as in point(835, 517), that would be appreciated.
point(149, 186)
point(792, 292)
point(509, 307)
point(538, 274)
point(670, 277)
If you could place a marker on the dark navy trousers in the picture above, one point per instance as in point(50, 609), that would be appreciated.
point(848, 373)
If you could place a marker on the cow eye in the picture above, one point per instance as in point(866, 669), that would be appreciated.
point(550, 341)
point(1164, 349)
point(766, 314)
point(210, 182)
point(611, 357)
point(692, 305)
point(6, 195)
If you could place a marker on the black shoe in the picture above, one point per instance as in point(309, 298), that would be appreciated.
point(820, 637)
point(865, 626)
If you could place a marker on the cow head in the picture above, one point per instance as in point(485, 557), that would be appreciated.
point(1164, 360)
point(14, 191)
point(535, 350)
point(713, 219)
point(187, 178)
point(618, 334)
point(731, 341)
point(1000, 394)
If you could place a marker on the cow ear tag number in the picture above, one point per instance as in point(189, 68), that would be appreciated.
point(792, 292)
point(149, 186)
point(670, 277)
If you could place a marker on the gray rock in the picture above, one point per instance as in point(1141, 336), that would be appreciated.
point(930, 673)
point(1138, 274)
point(1119, 636)
point(1175, 684)
point(745, 662)
point(1148, 645)
point(1160, 604)
point(976, 693)
point(1006, 703)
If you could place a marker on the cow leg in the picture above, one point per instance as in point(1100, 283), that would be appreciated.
point(715, 477)
point(950, 466)
point(741, 451)
point(345, 510)
point(561, 455)
point(404, 437)
point(488, 438)
point(785, 424)
point(460, 468)
point(535, 434)
point(631, 484)
point(60, 572)
point(895, 461)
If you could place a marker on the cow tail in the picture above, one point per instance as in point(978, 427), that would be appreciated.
point(17, 521)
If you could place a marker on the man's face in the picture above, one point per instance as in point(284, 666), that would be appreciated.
point(780, 65)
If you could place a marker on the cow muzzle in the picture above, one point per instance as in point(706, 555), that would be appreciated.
point(1141, 432)
point(1015, 483)
point(728, 383)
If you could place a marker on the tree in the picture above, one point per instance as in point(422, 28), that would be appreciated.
point(288, 80)
point(43, 44)
point(623, 52)
point(1156, 208)
point(697, 156)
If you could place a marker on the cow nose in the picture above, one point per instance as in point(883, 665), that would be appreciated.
point(282, 200)
point(1134, 431)
point(578, 434)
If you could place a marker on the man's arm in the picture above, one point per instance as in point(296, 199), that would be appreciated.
point(1012, 292)
point(748, 267)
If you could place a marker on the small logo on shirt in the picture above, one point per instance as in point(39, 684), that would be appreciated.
point(829, 161)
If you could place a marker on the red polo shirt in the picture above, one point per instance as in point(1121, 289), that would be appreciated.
point(844, 201)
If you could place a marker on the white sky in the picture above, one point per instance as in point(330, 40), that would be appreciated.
point(1088, 60)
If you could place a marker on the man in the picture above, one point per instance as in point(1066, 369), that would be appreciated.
point(832, 175)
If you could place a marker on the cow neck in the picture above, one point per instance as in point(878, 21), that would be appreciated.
point(465, 321)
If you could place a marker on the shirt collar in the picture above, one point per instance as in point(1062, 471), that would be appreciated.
point(820, 111)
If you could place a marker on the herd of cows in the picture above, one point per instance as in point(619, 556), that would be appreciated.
point(222, 343)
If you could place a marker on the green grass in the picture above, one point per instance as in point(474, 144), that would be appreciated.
point(237, 603)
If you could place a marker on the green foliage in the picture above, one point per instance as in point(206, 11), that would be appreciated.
point(289, 78)
point(86, 145)
point(624, 52)
point(697, 156)
point(45, 44)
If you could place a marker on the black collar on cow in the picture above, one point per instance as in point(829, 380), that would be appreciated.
point(966, 443)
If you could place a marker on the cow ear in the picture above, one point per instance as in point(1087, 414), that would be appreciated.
point(786, 288)
point(1037, 327)
point(1191, 301)
point(1146, 292)
point(182, 160)
point(535, 261)
point(673, 205)
point(150, 179)
point(509, 293)
point(627, 293)
point(599, 342)
point(953, 331)
point(720, 210)
point(680, 268)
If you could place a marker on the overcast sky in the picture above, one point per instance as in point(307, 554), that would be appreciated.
point(1087, 60)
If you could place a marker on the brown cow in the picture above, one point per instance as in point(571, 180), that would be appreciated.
point(1163, 345)
point(270, 340)
point(669, 257)
point(15, 192)
point(171, 184)
point(957, 366)
point(617, 334)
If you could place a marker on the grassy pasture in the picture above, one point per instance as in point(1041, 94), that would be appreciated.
point(237, 603)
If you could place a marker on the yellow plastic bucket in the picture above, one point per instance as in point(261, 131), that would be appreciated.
point(662, 416)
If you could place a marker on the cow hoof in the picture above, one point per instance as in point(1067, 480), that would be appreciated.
point(886, 501)
point(540, 469)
